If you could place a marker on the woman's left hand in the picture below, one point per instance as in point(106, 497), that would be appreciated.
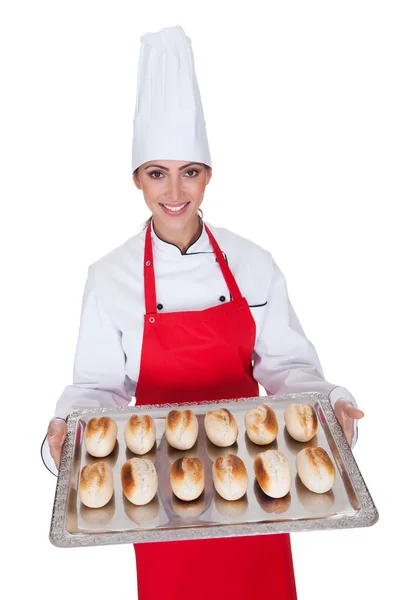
point(345, 413)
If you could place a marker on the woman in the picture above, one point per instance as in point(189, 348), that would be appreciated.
point(185, 311)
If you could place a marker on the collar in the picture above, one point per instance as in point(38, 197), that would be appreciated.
point(201, 244)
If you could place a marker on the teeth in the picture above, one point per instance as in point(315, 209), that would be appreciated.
point(175, 209)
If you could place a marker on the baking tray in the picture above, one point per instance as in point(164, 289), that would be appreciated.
point(348, 504)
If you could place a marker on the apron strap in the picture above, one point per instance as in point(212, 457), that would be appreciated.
point(149, 277)
point(150, 281)
point(226, 272)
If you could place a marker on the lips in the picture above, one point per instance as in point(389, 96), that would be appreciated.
point(175, 209)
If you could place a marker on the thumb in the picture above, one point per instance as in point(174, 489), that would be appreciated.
point(354, 413)
point(56, 432)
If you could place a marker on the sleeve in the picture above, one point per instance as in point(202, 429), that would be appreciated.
point(285, 361)
point(99, 376)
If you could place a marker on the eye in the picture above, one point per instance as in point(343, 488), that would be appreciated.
point(155, 172)
point(192, 171)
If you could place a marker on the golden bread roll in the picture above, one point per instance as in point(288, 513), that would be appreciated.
point(221, 427)
point(316, 469)
point(139, 480)
point(96, 485)
point(272, 472)
point(230, 477)
point(181, 429)
point(100, 436)
point(301, 421)
point(140, 433)
point(187, 478)
point(261, 424)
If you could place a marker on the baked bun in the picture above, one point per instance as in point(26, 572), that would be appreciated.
point(230, 477)
point(316, 469)
point(187, 478)
point(272, 472)
point(100, 436)
point(139, 480)
point(140, 433)
point(301, 421)
point(221, 427)
point(181, 429)
point(96, 485)
point(261, 424)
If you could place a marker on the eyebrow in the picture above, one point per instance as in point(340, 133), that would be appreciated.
point(167, 169)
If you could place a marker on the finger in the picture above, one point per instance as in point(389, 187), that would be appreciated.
point(340, 417)
point(56, 437)
point(56, 441)
point(349, 433)
point(56, 425)
point(55, 447)
point(340, 414)
point(56, 432)
point(55, 453)
point(347, 424)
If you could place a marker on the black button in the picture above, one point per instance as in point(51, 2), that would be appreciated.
point(222, 298)
point(160, 306)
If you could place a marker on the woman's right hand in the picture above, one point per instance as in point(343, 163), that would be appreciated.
point(56, 433)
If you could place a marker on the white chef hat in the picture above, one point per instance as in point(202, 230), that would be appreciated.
point(169, 120)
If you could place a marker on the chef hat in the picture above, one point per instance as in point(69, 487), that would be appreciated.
point(169, 120)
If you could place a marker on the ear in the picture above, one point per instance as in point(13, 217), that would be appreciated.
point(136, 181)
point(209, 175)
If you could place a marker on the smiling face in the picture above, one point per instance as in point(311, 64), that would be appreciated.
point(173, 190)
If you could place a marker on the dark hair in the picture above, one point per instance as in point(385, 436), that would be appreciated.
point(147, 223)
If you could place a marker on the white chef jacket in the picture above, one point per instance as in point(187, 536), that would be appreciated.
point(107, 359)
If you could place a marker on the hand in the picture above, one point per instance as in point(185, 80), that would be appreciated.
point(56, 433)
point(345, 413)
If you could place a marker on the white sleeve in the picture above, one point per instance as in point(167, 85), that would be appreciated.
point(99, 377)
point(285, 361)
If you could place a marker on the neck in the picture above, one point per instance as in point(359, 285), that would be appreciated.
point(182, 238)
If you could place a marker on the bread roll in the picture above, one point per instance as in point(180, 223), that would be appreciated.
point(272, 472)
point(221, 427)
point(230, 477)
point(139, 480)
point(140, 433)
point(261, 424)
point(96, 485)
point(100, 436)
point(181, 429)
point(316, 469)
point(187, 478)
point(301, 421)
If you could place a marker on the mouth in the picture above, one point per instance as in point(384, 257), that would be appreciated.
point(175, 209)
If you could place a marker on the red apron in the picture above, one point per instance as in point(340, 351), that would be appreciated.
point(193, 356)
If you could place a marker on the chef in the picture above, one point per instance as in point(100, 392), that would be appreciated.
point(186, 311)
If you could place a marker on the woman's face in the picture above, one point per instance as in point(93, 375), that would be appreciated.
point(173, 190)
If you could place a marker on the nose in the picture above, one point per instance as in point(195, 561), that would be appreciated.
point(174, 191)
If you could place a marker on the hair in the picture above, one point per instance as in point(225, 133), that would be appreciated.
point(147, 223)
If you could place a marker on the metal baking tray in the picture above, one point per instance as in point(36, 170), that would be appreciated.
point(348, 504)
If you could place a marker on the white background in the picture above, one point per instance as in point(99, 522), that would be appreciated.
point(302, 108)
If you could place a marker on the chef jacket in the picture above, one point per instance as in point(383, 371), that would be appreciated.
point(107, 359)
